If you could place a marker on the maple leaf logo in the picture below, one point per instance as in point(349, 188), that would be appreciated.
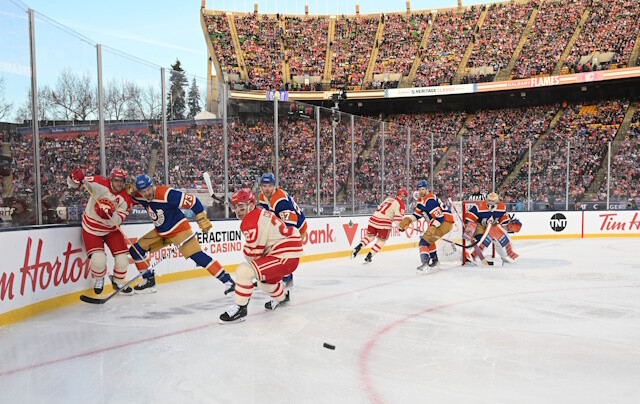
point(350, 230)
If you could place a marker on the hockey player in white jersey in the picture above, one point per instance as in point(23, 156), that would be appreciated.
point(390, 211)
point(100, 222)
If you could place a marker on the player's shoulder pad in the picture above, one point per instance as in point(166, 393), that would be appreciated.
point(501, 206)
point(263, 199)
point(250, 221)
point(98, 179)
point(278, 195)
point(162, 193)
point(481, 205)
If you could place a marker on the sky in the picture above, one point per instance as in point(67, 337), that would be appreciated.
point(157, 33)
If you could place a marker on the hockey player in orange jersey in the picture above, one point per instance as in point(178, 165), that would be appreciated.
point(390, 211)
point(272, 250)
point(492, 214)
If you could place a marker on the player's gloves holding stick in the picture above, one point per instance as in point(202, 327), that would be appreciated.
point(130, 189)
point(104, 210)
point(203, 222)
point(406, 222)
point(75, 179)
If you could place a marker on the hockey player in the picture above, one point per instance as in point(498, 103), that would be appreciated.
point(272, 250)
point(163, 205)
point(491, 212)
point(440, 222)
point(390, 210)
point(100, 222)
point(282, 204)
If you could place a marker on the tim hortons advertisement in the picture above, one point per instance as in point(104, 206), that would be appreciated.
point(615, 223)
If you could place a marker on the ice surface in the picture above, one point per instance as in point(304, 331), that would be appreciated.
point(561, 325)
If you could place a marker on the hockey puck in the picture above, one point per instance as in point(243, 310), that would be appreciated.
point(329, 346)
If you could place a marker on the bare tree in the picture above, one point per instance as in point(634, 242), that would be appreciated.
point(74, 96)
point(46, 106)
point(5, 106)
point(152, 101)
point(115, 100)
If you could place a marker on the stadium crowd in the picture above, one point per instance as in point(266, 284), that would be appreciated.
point(553, 28)
point(498, 37)
point(446, 45)
point(351, 50)
point(612, 26)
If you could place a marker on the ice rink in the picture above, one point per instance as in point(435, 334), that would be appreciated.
point(561, 325)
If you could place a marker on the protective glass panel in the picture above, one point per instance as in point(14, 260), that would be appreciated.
point(368, 185)
point(395, 158)
point(446, 182)
point(17, 170)
point(67, 97)
point(297, 153)
point(251, 143)
point(625, 171)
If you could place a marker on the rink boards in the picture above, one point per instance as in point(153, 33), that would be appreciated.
point(47, 268)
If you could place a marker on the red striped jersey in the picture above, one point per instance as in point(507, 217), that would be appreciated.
point(389, 211)
point(266, 234)
point(119, 203)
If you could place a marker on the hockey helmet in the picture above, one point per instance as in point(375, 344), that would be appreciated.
point(267, 178)
point(243, 195)
point(402, 193)
point(117, 174)
point(422, 184)
point(143, 182)
point(492, 201)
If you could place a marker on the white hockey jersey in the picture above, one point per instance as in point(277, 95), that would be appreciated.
point(390, 210)
point(120, 203)
point(266, 234)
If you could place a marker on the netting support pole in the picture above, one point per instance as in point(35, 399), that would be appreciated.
point(566, 202)
point(529, 180)
point(608, 171)
point(103, 153)
point(353, 173)
point(318, 159)
point(34, 119)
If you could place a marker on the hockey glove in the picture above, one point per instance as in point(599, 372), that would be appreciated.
point(406, 222)
point(130, 189)
point(77, 177)
point(203, 222)
point(104, 210)
point(514, 226)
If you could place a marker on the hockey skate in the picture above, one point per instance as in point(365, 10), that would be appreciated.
point(148, 285)
point(98, 286)
point(234, 314)
point(367, 259)
point(356, 250)
point(128, 291)
point(272, 304)
point(229, 287)
point(287, 281)
point(421, 269)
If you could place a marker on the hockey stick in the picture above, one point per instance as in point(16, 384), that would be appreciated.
point(95, 300)
point(207, 181)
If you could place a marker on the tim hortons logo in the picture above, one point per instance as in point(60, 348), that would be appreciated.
point(41, 274)
point(350, 230)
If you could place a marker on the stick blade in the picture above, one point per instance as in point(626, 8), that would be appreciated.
point(207, 180)
point(92, 300)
